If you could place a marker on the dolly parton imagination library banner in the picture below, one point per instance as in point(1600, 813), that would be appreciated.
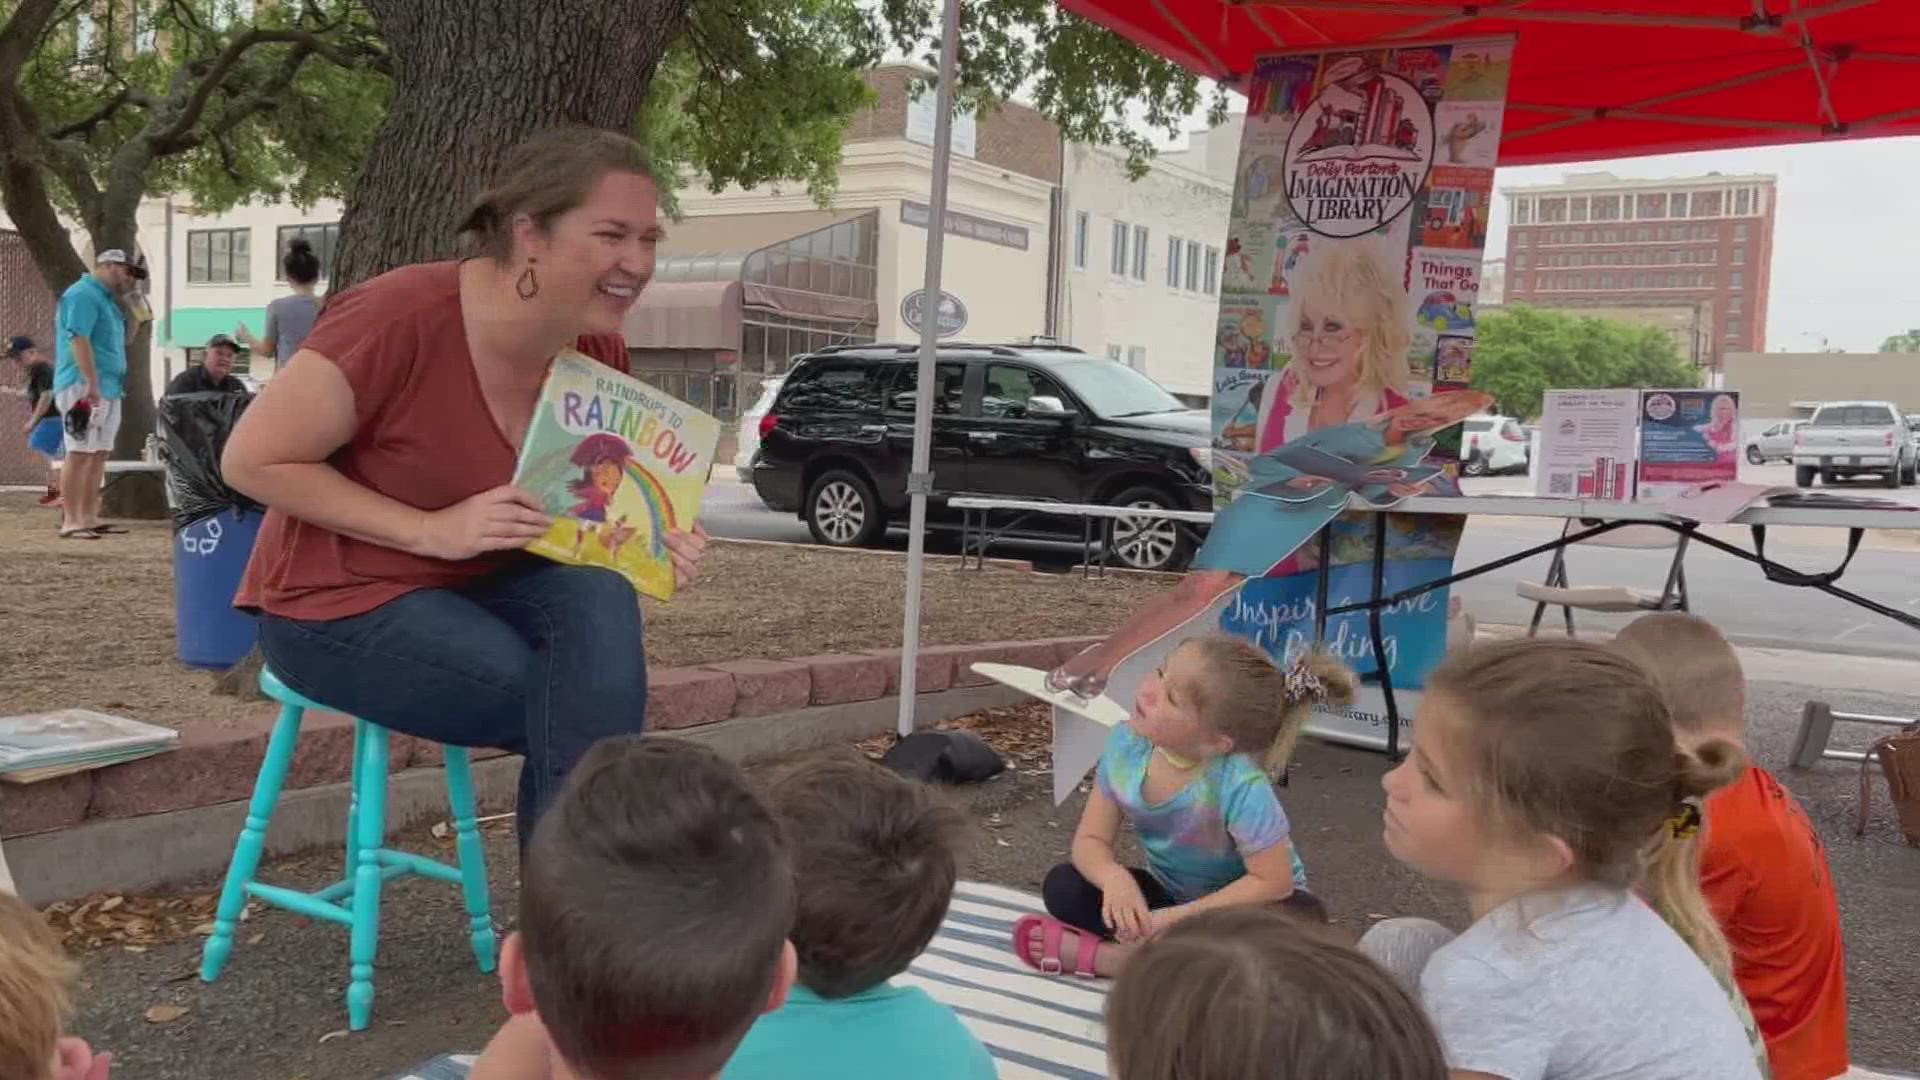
point(1346, 318)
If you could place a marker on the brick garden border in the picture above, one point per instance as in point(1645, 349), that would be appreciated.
point(210, 767)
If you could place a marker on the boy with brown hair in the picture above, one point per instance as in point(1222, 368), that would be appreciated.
point(1762, 867)
point(875, 860)
point(655, 903)
point(34, 978)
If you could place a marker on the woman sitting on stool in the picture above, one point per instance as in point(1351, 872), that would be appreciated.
point(388, 573)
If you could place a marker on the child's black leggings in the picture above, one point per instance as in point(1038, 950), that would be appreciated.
point(1074, 900)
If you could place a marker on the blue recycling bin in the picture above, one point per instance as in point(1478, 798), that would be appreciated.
point(209, 558)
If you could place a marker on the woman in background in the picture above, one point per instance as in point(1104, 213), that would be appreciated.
point(290, 317)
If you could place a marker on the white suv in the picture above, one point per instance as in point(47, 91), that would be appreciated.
point(1494, 444)
point(1775, 443)
point(749, 440)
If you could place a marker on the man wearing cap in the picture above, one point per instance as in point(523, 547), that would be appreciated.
point(90, 371)
point(214, 374)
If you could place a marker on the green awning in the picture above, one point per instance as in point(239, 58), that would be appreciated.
point(190, 328)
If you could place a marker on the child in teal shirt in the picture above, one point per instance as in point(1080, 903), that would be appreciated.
point(875, 862)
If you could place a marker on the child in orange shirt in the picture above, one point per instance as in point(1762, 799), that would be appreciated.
point(1762, 868)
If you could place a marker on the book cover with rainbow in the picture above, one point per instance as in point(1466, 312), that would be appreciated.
point(619, 465)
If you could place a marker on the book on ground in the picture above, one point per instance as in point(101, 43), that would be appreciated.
point(619, 465)
point(41, 746)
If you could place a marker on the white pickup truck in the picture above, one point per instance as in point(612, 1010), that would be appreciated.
point(1847, 438)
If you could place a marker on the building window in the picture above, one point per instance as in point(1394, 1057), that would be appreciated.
point(86, 36)
point(1739, 254)
point(324, 238)
point(1137, 357)
point(1520, 261)
point(1519, 283)
point(1678, 206)
point(1118, 264)
point(1139, 253)
point(242, 360)
point(1706, 204)
point(1740, 231)
point(1742, 202)
point(1579, 210)
point(1733, 304)
point(1606, 281)
point(1733, 325)
point(1523, 211)
point(1213, 270)
point(218, 256)
point(1082, 226)
point(1173, 262)
point(1193, 268)
point(1113, 353)
point(1736, 279)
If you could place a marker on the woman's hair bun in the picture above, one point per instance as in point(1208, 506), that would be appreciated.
point(299, 244)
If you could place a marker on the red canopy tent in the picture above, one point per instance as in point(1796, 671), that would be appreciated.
point(1598, 78)
point(1591, 79)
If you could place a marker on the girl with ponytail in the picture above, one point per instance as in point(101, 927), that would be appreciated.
point(1546, 783)
point(1193, 770)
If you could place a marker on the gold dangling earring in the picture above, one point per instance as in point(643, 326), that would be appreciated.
point(528, 286)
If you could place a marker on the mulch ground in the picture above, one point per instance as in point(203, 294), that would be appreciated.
point(91, 623)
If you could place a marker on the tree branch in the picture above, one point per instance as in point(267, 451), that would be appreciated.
point(20, 34)
point(83, 128)
point(173, 137)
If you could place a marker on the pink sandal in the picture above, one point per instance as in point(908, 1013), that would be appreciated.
point(1052, 933)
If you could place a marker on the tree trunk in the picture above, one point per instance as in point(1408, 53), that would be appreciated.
point(467, 88)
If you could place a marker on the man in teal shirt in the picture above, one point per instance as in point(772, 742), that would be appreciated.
point(89, 377)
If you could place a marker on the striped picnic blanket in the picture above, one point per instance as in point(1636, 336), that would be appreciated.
point(1034, 1026)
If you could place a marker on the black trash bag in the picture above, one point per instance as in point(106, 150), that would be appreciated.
point(944, 757)
point(193, 430)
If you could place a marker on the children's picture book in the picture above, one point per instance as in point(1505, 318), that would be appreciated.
point(619, 465)
point(41, 746)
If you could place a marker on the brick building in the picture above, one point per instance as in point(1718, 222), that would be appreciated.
point(1703, 243)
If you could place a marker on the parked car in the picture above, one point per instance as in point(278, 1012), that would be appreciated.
point(1775, 443)
point(1848, 438)
point(1913, 425)
point(1029, 421)
point(1494, 444)
point(749, 439)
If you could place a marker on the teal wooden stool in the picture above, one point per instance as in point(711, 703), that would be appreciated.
point(353, 902)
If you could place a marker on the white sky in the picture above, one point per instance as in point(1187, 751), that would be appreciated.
point(1846, 247)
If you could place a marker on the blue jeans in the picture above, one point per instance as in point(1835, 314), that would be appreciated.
point(539, 659)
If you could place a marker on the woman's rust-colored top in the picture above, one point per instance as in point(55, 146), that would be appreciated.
point(423, 437)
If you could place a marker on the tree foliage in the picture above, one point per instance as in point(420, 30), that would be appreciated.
point(105, 103)
point(1522, 352)
point(1908, 342)
point(761, 91)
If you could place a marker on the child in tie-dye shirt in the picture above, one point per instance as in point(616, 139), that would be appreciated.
point(1193, 770)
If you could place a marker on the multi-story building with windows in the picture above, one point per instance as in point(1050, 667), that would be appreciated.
point(1596, 240)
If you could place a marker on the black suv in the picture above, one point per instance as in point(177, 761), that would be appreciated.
point(1043, 422)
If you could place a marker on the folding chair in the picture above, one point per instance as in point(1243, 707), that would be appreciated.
point(1558, 592)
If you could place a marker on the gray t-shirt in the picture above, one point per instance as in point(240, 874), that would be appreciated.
point(1588, 985)
point(289, 320)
